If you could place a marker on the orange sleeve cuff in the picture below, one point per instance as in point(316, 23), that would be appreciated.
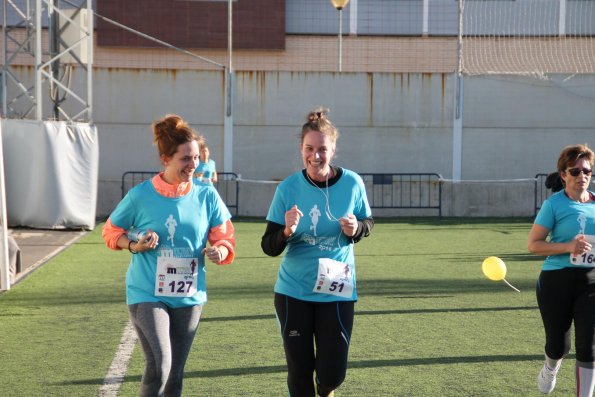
point(111, 233)
point(224, 235)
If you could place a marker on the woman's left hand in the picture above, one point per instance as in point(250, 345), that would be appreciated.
point(581, 245)
point(215, 254)
point(349, 225)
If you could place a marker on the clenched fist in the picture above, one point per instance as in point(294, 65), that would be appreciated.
point(292, 218)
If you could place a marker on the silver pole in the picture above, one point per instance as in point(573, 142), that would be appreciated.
point(340, 40)
point(4, 265)
point(229, 30)
point(4, 59)
point(457, 128)
point(460, 58)
point(90, 50)
point(229, 52)
point(53, 31)
point(229, 84)
point(38, 61)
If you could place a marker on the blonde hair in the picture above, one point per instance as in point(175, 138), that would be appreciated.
point(171, 131)
point(318, 121)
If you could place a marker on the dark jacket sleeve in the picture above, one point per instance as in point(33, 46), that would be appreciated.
point(364, 227)
point(273, 242)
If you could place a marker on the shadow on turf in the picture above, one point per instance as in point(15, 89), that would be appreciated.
point(461, 257)
point(267, 369)
point(380, 312)
point(445, 310)
point(485, 223)
point(442, 287)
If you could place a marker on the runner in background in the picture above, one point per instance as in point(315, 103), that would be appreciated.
point(207, 169)
point(564, 232)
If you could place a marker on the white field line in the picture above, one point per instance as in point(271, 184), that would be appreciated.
point(42, 261)
point(115, 374)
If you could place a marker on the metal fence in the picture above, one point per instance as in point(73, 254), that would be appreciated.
point(227, 185)
point(384, 190)
point(403, 190)
point(541, 192)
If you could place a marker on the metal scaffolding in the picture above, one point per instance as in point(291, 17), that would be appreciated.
point(69, 56)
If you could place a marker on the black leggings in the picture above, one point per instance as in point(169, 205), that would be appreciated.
point(563, 296)
point(305, 325)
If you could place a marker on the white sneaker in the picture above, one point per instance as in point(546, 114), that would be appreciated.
point(331, 394)
point(546, 380)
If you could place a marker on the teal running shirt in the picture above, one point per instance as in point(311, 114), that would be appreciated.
point(183, 225)
point(318, 234)
point(565, 218)
point(207, 169)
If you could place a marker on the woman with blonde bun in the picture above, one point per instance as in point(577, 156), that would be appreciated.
point(316, 216)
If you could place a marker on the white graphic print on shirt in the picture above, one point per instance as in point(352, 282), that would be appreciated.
point(587, 259)
point(324, 243)
point(171, 224)
point(314, 214)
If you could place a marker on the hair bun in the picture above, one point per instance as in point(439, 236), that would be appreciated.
point(318, 114)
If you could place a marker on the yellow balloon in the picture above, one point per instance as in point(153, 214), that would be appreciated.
point(494, 268)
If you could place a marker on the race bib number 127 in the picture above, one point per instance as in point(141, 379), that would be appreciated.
point(176, 277)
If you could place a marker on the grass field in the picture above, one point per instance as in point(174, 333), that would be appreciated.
point(428, 323)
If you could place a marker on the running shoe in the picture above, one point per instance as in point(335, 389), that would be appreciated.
point(546, 381)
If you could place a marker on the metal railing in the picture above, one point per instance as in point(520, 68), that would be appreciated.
point(227, 185)
point(541, 192)
point(404, 190)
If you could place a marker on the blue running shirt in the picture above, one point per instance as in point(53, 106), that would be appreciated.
point(207, 169)
point(565, 219)
point(183, 225)
point(318, 234)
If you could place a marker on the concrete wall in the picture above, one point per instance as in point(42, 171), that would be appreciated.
point(513, 127)
point(471, 199)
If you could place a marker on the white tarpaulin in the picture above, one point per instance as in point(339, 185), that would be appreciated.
point(4, 265)
point(50, 173)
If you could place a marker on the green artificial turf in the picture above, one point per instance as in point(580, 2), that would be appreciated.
point(428, 323)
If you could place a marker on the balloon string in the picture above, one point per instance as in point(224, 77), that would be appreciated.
point(510, 285)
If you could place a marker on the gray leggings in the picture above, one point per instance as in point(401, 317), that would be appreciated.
point(166, 336)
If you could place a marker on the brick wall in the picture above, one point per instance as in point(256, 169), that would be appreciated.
point(257, 24)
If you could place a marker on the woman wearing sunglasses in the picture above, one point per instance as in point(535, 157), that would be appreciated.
point(566, 285)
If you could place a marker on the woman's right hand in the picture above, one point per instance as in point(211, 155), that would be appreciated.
point(148, 242)
point(292, 218)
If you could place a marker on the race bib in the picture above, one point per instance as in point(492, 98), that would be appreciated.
point(176, 277)
point(334, 278)
point(586, 259)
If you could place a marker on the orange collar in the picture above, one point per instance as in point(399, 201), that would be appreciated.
point(167, 190)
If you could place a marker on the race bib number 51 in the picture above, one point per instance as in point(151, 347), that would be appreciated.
point(334, 278)
point(586, 259)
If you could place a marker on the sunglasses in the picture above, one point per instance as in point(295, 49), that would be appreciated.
point(577, 171)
